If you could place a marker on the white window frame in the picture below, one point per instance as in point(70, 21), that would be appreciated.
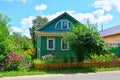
point(62, 24)
point(48, 43)
point(62, 45)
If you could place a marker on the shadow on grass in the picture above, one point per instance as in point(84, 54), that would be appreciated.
point(71, 71)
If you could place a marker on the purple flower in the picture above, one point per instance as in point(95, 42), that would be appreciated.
point(47, 56)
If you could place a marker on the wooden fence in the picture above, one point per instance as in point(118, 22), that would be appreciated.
point(74, 65)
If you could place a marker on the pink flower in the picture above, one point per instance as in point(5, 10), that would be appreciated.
point(2, 69)
point(27, 64)
point(56, 54)
point(47, 56)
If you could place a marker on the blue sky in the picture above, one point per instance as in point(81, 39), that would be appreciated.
point(22, 12)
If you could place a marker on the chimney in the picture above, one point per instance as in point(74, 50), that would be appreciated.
point(102, 28)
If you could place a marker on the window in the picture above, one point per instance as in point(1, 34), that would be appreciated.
point(64, 24)
point(64, 45)
point(50, 44)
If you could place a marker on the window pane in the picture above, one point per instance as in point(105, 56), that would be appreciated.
point(50, 44)
point(64, 45)
point(64, 24)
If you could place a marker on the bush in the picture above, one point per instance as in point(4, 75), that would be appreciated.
point(2, 57)
point(47, 59)
point(85, 40)
point(30, 51)
point(38, 61)
point(50, 59)
point(2, 67)
point(16, 62)
point(24, 65)
point(104, 58)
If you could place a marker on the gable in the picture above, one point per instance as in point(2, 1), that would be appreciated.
point(56, 25)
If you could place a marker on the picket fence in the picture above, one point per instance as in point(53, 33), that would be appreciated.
point(75, 65)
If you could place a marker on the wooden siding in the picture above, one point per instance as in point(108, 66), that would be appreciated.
point(112, 39)
point(62, 53)
point(51, 27)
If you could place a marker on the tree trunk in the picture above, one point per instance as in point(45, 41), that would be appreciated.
point(79, 56)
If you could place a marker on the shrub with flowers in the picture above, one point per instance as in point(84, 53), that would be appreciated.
point(2, 62)
point(47, 56)
point(2, 67)
point(13, 61)
point(30, 51)
point(24, 65)
point(104, 58)
point(47, 59)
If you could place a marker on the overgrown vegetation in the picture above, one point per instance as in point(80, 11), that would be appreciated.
point(17, 53)
point(85, 40)
point(12, 47)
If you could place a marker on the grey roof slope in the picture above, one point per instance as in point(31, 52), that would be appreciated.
point(110, 31)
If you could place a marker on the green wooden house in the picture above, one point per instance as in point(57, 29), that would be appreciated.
point(48, 39)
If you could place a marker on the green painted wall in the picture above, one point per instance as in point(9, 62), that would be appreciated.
point(44, 50)
point(51, 27)
point(116, 51)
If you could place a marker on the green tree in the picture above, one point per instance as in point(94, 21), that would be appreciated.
point(20, 43)
point(38, 23)
point(85, 40)
point(26, 43)
point(4, 34)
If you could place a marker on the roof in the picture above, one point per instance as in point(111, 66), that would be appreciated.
point(64, 14)
point(111, 31)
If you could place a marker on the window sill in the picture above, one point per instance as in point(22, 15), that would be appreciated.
point(50, 50)
point(65, 50)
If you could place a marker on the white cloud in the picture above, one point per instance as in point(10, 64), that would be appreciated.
point(26, 32)
point(17, 29)
point(23, 1)
point(27, 22)
point(41, 7)
point(107, 4)
point(97, 16)
point(52, 16)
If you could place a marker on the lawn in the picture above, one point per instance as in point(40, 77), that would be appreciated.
point(69, 71)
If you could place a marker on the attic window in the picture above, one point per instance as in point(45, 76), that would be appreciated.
point(64, 24)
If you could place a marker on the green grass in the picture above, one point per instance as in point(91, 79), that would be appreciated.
point(106, 69)
point(69, 71)
point(20, 73)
